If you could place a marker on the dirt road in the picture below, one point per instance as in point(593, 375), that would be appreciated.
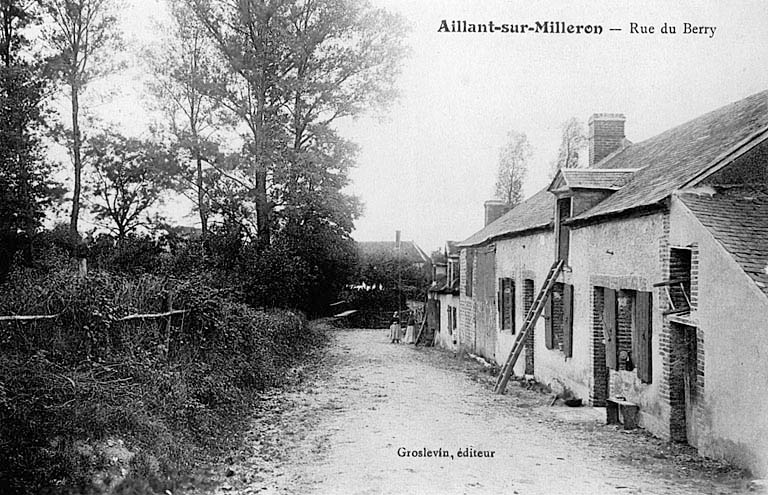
point(345, 431)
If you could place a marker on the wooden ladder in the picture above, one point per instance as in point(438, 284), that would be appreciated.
point(530, 321)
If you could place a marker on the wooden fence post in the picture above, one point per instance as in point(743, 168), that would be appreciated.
point(168, 324)
point(82, 268)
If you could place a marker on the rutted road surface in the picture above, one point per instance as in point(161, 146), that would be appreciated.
point(339, 432)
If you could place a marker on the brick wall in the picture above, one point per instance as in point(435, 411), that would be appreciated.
point(599, 391)
point(606, 134)
point(694, 277)
point(466, 330)
point(664, 335)
point(681, 346)
point(699, 392)
point(678, 345)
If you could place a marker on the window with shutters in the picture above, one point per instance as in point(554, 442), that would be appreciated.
point(558, 318)
point(626, 322)
point(507, 304)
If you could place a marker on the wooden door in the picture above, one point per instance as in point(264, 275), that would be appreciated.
point(486, 302)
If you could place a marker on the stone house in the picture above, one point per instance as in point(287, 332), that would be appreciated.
point(663, 298)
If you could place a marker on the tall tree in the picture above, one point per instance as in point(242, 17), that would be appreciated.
point(249, 34)
point(24, 173)
point(573, 140)
point(185, 71)
point(130, 175)
point(513, 168)
point(298, 65)
point(84, 35)
point(344, 59)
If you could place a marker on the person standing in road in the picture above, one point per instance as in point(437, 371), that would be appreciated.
point(410, 331)
point(395, 332)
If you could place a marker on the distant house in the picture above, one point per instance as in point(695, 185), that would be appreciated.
point(663, 298)
point(444, 295)
point(408, 252)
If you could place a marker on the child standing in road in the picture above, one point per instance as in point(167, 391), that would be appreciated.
point(395, 333)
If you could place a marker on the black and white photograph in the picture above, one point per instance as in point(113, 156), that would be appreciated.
point(383, 247)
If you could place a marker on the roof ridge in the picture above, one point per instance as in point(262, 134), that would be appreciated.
point(676, 157)
point(743, 146)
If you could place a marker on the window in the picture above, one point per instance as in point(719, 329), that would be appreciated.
point(454, 319)
point(625, 306)
point(451, 319)
point(678, 288)
point(626, 318)
point(558, 317)
point(563, 231)
point(507, 304)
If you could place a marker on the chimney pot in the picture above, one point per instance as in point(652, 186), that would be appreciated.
point(606, 135)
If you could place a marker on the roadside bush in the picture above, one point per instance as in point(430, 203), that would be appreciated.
point(86, 388)
point(134, 254)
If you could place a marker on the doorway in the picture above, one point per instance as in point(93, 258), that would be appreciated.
point(685, 383)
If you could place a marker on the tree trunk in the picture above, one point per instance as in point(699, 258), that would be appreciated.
point(262, 207)
point(201, 205)
point(78, 164)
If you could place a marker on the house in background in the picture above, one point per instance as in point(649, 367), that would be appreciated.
point(444, 298)
point(663, 294)
point(406, 252)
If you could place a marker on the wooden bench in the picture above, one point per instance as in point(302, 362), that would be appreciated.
point(616, 407)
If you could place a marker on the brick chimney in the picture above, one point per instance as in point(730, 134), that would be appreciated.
point(494, 208)
point(606, 135)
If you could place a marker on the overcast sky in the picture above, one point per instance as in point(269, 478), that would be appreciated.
point(429, 166)
point(427, 169)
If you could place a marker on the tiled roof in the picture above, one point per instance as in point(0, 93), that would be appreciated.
point(679, 154)
point(533, 213)
point(738, 219)
point(663, 164)
point(409, 250)
point(581, 178)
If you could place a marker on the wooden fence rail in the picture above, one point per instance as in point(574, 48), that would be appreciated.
point(137, 316)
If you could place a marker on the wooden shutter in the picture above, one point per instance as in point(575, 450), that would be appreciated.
point(549, 336)
point(641, 336)
point(500, 303)
point(609, 325)
point(511, 304)
point(568, 321)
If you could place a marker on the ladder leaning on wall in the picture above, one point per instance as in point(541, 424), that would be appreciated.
point(530, 321)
